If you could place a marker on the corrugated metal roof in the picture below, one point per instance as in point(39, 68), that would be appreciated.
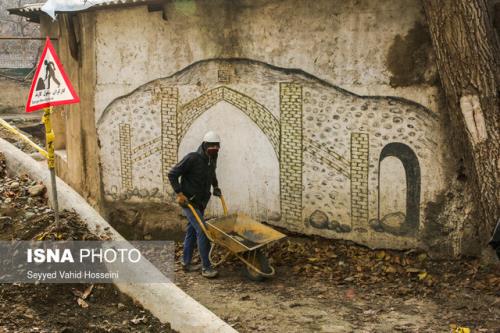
point(33, 11)
point(30, 11)
point(33, 7)
point(120, 2)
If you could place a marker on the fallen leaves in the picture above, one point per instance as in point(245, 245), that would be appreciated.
point(350, 294)
point(82, 303)
point(340, 262)
point(24, 205)
point(57, 307)
point(391, 269)
point(138, 320)
point(412, 270)
point(457, 329)
point(380, 255)
point(82, 296)
point(87, 291)
point(422, 275)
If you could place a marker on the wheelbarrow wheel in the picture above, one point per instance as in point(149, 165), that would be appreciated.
point(260, 261)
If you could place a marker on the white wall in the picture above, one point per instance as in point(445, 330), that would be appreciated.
point(247, 166)
point(392, 186)
point(346, 45)
point(345, 42)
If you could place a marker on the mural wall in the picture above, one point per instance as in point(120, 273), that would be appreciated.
point(296, 151)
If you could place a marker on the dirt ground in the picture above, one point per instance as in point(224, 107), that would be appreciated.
point(333, 286)
point(24, 214)
point(8, 136)
point(320, 286)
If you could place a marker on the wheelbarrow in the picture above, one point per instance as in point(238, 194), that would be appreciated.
point(243, 237)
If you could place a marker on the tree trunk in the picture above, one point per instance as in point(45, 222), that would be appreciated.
point(467, 54)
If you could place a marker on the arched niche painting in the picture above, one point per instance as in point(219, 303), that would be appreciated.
point(399, 190)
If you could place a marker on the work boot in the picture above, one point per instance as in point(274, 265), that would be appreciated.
point(209, 273)
point(191, 267)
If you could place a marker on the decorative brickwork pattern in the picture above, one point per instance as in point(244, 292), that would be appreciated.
point(146, 154)
point(262, 117)
point(328, 157)
point(190, 111)
point(169, 124)
point(359, 178)
point(224, 76)
point(125, 156)
point(224, 73)
point(146, 146)
point(291, 152)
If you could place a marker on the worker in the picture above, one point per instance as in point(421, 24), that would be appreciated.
point(197, 173)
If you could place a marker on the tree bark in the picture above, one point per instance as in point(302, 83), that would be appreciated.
point(467, 54)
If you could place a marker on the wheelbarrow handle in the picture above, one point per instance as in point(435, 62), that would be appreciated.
point(223, 202)
point(200, 222)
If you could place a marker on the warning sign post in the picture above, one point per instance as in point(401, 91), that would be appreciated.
point(50, 87)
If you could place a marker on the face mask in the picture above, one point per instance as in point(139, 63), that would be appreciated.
point(212, 151)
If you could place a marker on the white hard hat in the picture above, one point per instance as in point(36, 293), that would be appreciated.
point(212, 137)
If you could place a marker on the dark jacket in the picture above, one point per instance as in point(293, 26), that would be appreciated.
point(197, 172)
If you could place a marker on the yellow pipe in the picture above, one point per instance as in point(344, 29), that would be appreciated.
point(23, 137)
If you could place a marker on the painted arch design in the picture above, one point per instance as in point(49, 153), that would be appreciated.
point(259, 114)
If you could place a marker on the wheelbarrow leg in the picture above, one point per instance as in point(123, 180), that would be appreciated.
point(257, 266)
point(221, 260)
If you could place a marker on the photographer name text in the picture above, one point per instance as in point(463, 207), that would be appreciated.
point(70, 275)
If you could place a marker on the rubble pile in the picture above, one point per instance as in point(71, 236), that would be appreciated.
point(25, 215)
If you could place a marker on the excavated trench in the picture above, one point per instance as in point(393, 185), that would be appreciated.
point(146, 221)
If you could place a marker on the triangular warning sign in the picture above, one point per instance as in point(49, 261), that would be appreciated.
point(50, 86)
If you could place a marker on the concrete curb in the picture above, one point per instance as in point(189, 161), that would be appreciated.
point(165, 300)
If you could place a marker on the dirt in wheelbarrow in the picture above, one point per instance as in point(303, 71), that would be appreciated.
point(335, 286)
point(25, 215)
